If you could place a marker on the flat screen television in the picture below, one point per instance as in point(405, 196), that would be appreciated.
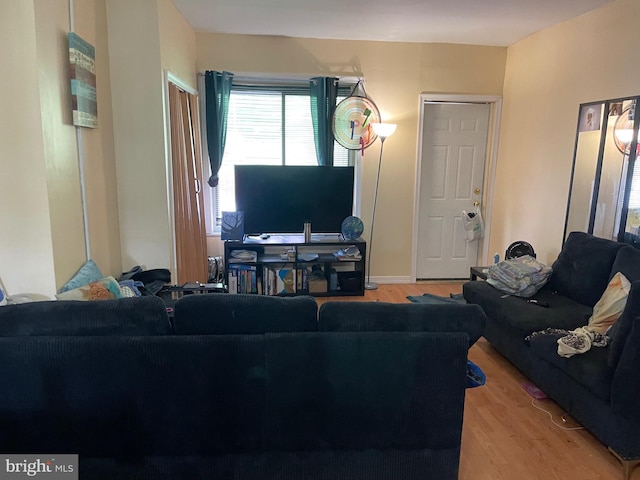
point(280, 199)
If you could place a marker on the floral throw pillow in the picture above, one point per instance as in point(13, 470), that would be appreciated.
point(106, 288)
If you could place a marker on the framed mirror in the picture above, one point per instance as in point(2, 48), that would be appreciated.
point(604, 194)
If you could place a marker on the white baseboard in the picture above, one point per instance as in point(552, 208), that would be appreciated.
point(391, 280)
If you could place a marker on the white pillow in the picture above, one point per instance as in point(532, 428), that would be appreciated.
point(611, 304)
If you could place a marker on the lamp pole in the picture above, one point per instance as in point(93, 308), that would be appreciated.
point(383, 130)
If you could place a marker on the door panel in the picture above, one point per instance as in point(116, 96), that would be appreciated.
point(452, 171)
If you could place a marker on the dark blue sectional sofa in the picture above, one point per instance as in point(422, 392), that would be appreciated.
point(237, 387)
point(601, 388)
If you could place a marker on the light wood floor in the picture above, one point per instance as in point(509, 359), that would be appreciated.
point(504, 437)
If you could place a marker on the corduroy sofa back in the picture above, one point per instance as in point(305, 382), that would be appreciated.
point(124, 316)
point(244, 406)
point(401, 317)
point(244, 314)
point(289, 405)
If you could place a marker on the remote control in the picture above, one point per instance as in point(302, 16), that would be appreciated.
point(533, 301)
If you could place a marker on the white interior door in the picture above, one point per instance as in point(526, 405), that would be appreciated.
point(454, 147)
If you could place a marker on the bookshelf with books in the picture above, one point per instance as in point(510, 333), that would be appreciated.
point(287, 265)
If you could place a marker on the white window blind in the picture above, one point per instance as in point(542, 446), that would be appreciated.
point(266, 126)
point(634, 195)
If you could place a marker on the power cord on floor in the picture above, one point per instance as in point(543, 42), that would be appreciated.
point(533, 402)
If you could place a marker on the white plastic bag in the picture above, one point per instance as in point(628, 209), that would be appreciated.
point(473, 225)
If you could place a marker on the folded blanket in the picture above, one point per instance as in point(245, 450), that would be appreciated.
point(521, 276)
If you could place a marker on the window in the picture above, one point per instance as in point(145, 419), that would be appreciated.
point(634, 195)
point(266, 126)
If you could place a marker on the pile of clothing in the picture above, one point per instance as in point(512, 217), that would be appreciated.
point(601, 325)
point(520, 276)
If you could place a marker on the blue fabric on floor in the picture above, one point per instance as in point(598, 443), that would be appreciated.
point(435, 299)
point(475, 376)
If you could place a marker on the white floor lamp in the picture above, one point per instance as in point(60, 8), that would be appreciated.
point(383, 130)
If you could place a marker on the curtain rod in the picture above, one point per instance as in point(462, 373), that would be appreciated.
point(262, 77)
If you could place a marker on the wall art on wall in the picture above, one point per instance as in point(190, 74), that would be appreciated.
point(615, 109)
point(82, 56)
point(590, 116)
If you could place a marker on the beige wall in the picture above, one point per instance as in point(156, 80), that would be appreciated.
point(177, 44)
point(41, 241)
point(548, 75)
point(63, 183)
point(178, 57)
point(44, 239)
point(137, 82)
point(98, 146)
point(26, 253)
point(396, 74)
point(61, 143)
point(42, 236)
point(146, 38)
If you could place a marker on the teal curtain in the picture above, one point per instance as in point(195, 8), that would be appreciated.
point(324, 91)
point(217, 90)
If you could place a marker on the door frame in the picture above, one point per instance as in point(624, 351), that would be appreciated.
point(170, 77)
point(495, 102)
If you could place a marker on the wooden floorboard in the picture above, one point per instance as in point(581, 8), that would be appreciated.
point(504, 436)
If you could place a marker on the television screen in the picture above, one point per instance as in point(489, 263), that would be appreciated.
point(280, 199)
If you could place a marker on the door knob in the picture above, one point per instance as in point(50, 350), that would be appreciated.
point(476, 191)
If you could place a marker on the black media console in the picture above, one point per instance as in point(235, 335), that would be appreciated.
point(284, 265)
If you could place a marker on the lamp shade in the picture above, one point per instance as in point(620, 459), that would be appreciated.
point(623, 129)
point(384, 130)
point(625, 135)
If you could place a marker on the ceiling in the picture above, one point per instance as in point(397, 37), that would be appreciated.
point(477, 22)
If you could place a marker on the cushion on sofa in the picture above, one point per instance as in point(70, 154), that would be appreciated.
point(620, 330)
point(583, 267)
point(401, 317)
point(88, 273)
point(126, 316)
point(218, 314)
point(610, 306)
point(625, 389)
point(518, 315)
point(589, 369)
point(628, 262)
point(107, 288)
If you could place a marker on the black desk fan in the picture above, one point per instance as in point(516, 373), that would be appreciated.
point(519, 249)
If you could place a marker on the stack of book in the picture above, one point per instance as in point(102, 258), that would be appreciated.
point(279, 279)
point(243, 278)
